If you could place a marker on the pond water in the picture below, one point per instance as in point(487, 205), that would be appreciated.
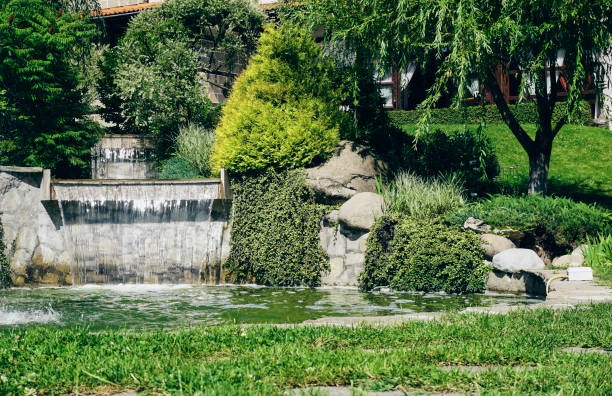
point(149, 306)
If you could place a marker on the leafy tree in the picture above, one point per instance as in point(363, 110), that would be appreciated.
point(42, 111)
point(473, 37)
point(284, 111)
point(169, 59)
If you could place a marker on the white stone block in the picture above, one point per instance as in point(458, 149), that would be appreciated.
point(580, 273)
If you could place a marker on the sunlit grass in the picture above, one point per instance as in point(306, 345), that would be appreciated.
point(580, 164)
point(523, 352)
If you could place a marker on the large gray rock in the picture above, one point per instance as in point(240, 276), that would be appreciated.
point(568, 260)
point(361, 211)
point(351, 169)
point(516, 260)
point(493, 244)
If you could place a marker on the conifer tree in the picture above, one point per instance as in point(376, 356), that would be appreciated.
point(42, 107)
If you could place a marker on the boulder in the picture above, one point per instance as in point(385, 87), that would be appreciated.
point(477, 225)
point(568, 260)
point(493, 244)
point(579, 251)
point(361, 211)
point(351, 169)
point(516, 260)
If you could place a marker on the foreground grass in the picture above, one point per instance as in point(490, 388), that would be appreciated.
point(523, 351)
point(580, 165)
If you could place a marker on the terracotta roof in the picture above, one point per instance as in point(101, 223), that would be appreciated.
point(125, 9)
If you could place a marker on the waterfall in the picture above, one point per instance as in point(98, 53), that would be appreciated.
point(144, 231)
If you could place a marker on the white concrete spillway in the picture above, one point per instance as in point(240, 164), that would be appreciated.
point(114, 231)
point(144, 231)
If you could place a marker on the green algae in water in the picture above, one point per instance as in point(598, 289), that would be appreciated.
point(167, 306)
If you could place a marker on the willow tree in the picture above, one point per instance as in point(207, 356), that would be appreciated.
point(472, 38)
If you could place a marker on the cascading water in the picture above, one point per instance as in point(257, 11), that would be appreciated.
point(153, 231)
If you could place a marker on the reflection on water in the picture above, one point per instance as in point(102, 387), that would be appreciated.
point(146, 306)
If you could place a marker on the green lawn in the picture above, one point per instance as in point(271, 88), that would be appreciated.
point(519, 353)
point(581, 164)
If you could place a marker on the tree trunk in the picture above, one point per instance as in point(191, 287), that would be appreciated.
point(539, 161)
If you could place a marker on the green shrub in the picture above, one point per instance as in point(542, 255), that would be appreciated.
point(413, 196)
point(177, 167)
point(598, 255)
point(5, 267)
point(467, 153)
point(524, 112)
point(283, 111)
point(43, 108)
point(412, 254)
point(170, 56)
point(559, 223)
point(275, 231)
point(195, 144)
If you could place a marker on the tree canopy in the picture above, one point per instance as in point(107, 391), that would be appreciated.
point(42, 111)
point(472, 38)
point(160, 75)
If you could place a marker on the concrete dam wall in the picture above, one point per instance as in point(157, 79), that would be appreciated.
point(113, 231)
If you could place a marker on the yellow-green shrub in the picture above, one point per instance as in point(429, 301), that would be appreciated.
point(283, 111)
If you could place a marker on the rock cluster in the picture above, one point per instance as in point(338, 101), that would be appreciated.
point(351, 169)
point(344, 234)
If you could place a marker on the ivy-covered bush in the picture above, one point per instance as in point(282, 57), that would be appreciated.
point(404, 253)
point(284, 112)
point(467, 153)
point(559, 223)
point(275, 231)
point(5, 269)
point(524, 112)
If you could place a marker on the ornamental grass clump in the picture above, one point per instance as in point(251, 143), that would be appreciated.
point(195, 143)
point(405, 253)
point(411, 195)
point(284, 112)
point(598, 255)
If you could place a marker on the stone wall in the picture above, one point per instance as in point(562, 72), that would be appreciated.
point(37, 252)
point(346, 248)
point(123, 157)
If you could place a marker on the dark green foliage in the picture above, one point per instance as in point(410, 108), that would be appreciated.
point(408, 254)
point(558, 223)
point(42, 107)
point(177, 167)
point(5, 266)
point(107, 90)
point(467, 153)
point(170, 59)
point(275, 232)
point(525, 113)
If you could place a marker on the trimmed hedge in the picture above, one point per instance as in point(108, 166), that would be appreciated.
point(558, 223)
point(524, 112)
point(409, 254)
point(275, 232)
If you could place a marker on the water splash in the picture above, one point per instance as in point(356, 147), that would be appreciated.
point(17, 317)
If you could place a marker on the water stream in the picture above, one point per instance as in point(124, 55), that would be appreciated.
point(167, 306)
